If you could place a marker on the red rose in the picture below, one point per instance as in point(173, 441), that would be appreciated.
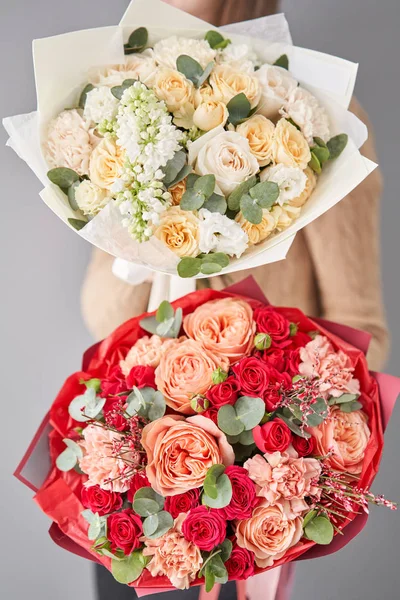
point(138, 481)
point(211, 413)
point(271, 322)
point(204, 527)
point(273, 436)
point(113, 413)
point(240, 564)
point(299, 340)
point(100, 501)
point(244, 497)
point(303, 446)
point(182, 503)
point(226, 392)
point(278, 382)
point(141, 377)
point(293, 361)
point(124, 530)
point(252, 375)
point(114, 383)
point(275, 357)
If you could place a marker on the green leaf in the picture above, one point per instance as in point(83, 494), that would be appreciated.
point(164, 311)
point(173, 167)
point(309, 517)
point(343, 398)
point(266, 193)
point(350, 406)
point(190, 68)
point(150, 525)
point(238, 108)
point(228, 421)
point(74, 447)
point(209, 579)
point(251, 211)
point(157, 408)
point(192, 178)
point(337, 144)
point(314, 163)
point(226, 550)
point(86, 406)
point(321, 153)
point(319, 530)
point(295, 427)
point(192, 200)
point(219, 257)
point(189, 267)
point(214, 38)
point(162, 522)
point(320, 413)
point(145, 507)
point(149, 324)
point(77, 224)
point(94, 383)
point(206, 74)
point(282, 61)
point(320, 142)
point(249, 411)
point(149, 493)
point(118, 90)
point(223, 497)
point(66, 460)
point(147, 403)
point(217, 566)
point(242, 453)
point(246, 438)
point(205, 185)
point(216, 204)
point(63, 177)
point(138, 39)
point(211, 478)
point(184, 172)
point(82, 99)
point(129, 569)
point(210, 268)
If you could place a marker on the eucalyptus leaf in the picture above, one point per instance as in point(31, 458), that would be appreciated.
point(320, 412)
point(150, 525)
point(165, 311)
point(184, 172)
point(251, 211)
point(314, 163)
point(337, 144)
point(206, 74)
point(176, 327)
point(76, 449)
point(209, 579)
point(63, 177)
point(266, 193)
point(218, 257)
point(215, 39)
point(226, 550)
point(320, 142)
point(233, 439)
point(350, 406)
point(77, 224)
point(149, 324)
point(228, 421)
point(295, 427)
point(191, 180)
point(309, 517)
point(224, 493)
point(118, 90)
point(149, 493)
point(192, 200)
point(129, 569)
point(249, 411)
point(164, 327)
point(189, 267)
point(157, 408)
point(164, 524)
point(145, 507)
point(216, 204)
point(282, 61)
point(205, 185)
point(319, 530)
point(242, 453)
point(66, 460)
point(246, 438)
point(210, 268)
point(138, 39)
point(82, 99)
point(190, 68)
point(239, 191)
point(239, 108)
point(88, 515)
point(321, 153)
point(343, 398)
point(173, 167)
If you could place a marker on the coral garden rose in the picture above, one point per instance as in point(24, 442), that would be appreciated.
point(106, 163)
point(224, 327)
point(124, 530)
point(273, 436)
point(146, 352)
point(347, 434)
point(180, 451)
point(100, 501)
point(269, 533)
point(173, 556)
point(227, 82)
point(182, 503)
point(210, 114)
point(179, 231)
point(259, 132)
point(244, 497)
point(289, 146)
point(261, 231)
point(204, 527)
point(186, 370)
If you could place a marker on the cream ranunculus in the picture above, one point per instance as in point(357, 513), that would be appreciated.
point(276, 86)
point(210, 114)
point(173, 87)
point(106, 163)
point(289, 146)
point(311, 182)
point(259, 131)
point(305, 110)
point(69, 143)
point(228, 82)
point(260, 232)
point(179, 231)
point(290, 180)
point(166, 51)
point(140, 66)
point(226, 155)
point(90, 197)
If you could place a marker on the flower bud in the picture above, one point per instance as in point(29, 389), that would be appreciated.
point(262, 341)
point(219, 376)
point(293, 327)
point(199, 403)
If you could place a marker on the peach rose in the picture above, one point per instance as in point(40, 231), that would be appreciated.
point(227, 82)
point(173, 87)
point(289, 146)
point(173, 556)
point(269, 533)
point(179, 230)
point(284, 216)
point(180, 451)
point(285, 479)
point(210, 114)
point(177, 192)
point(259, 132)
point(347, 434)
point(106, 163)
point(147, 352)
point(224, 327)
point(257, 233)
point(185, 370)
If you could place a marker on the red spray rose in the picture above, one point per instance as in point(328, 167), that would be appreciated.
point(273, 436)
point(275, 357)
point(141, 377)
point(275, 325)
point(304, 447)
point(114, 383)
point(182, 503)
point(240, 564)
point(226, 392)
point(100, 501)
point(244, 497)
point(211, 413)
point(113, 413)
point(299, 340)
point(204, 527)
point(138, 481)
point(124, 530)
point(293, 361)
point(253, 376)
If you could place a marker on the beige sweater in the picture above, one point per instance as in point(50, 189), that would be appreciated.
point(332, 270)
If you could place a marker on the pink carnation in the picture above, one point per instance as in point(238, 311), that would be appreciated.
point(285, 479)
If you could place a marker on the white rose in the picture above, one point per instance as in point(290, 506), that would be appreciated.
point(90, 198)
point(100, 104)
point(290, 180)
point(106, 163)
point(305, 110)
point(239, 56)
point(69, 143)
point(137, 66)
point(226, 155)
point(218, 233)
point(228, 82)
point(276, 86)
point(167, 51)
point(210, 114)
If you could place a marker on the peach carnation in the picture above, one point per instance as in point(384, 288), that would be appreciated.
point(180, 451)
point(146, 352)
point(185, 370)
point(269, 533)
point(173, 556)
point(224, 327)
point(101, 463)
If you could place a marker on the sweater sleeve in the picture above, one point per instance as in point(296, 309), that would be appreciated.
point(345, 250)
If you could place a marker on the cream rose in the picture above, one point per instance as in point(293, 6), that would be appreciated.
point(289, 146)
point(177, 192)
point(228, 82)
point(166, 51)
point(284, 215)
point(311, 182)
point(140, 66)
point(276, 86)
point(260, 232)
point(173, 87)
point(210, 114)
point(90, 197)
point(106, 163)
point(179, 231)
point(204, 93)
point(227, 156)
point(68, 142)
point(259, 132)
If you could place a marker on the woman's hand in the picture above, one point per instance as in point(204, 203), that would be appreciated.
point(221, 12)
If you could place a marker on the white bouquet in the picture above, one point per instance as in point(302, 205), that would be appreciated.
point(183, 148)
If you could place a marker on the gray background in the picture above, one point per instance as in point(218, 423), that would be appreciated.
point(43, 263)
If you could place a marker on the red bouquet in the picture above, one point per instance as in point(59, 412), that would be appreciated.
point(213, 440)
